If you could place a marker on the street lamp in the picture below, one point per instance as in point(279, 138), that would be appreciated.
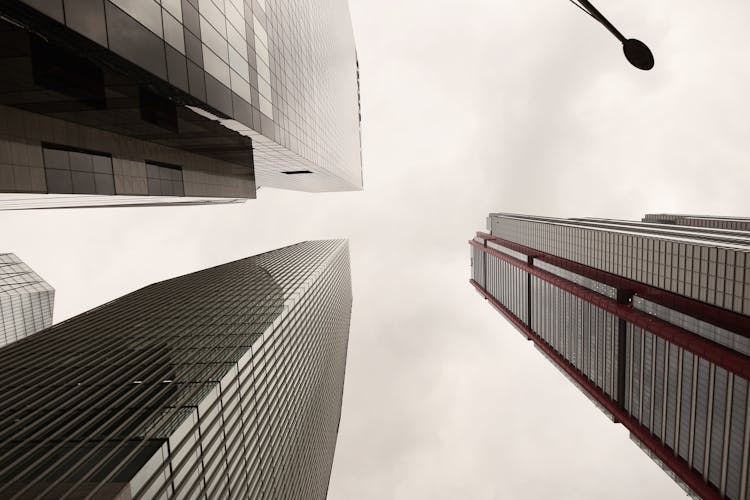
point(636, 52)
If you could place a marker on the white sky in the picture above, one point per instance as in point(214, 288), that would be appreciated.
point(468, 108)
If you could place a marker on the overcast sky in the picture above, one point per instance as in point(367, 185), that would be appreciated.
point(468, 108)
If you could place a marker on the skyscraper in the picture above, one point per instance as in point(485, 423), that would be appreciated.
point(179, 101)
point(223, 383)
point(650, 319)
point(26, 300)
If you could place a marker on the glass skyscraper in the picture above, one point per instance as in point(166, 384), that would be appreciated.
point(26, 300)
point(122, 102)
point(223, 383)
point(650, 319)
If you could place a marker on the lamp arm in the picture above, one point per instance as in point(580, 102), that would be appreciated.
point(603, 20)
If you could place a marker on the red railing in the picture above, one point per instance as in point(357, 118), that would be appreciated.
point(723, 318)
point(724, 357)
point(692, 478)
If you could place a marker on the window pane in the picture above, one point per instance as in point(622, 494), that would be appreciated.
point(152, 171)
point(102, 164)
point(58, 181)
point(55, 158)
point(173, 33)
point(80, 162)
point(154, 187)
point(83, 182)
point(104, 183)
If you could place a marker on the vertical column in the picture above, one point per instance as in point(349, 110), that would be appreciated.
point(484, 266)
point(529, 261)
point(623, 297)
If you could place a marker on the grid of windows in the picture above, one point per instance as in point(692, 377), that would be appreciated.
point(26, 300)
point(695, 410)
point(694, 407)
point(578, 330)
point(222, 383)
point(509, 285)
point(164, 179)
point(77, 172)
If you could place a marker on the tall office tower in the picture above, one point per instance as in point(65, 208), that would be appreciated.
point(26, 300)
point(119, 102)
point(223, 383)
point(650, 319)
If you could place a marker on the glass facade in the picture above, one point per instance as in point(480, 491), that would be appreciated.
point(242, 90)
point(224, 383)
point(293, 64)
point(26, 300)
point(633, 309)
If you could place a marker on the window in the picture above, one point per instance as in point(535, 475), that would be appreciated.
point(76, 171)
point(157, 110)
point(164, 179)
point(57, 69)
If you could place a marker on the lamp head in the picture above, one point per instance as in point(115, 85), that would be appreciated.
point(638, 54)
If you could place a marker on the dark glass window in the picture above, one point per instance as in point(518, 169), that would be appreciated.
point(87, 18)
point(164, 179)
point(193, 48)
point(83, 182)
point(134, 42)
point(157, 109)
point(177, 69)
point(59, 181)
point(105, 183)
point(218, 95)
point(80, 162)
point(59, 70)
point(53, 8)
point(191, 18)
point(76, 171)
point(196, 80)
